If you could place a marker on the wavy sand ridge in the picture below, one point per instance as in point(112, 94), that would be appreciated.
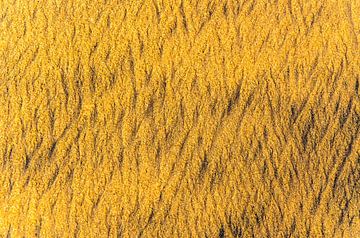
point(185, 118)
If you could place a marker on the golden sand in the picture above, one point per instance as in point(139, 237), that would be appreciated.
point(186, 118)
